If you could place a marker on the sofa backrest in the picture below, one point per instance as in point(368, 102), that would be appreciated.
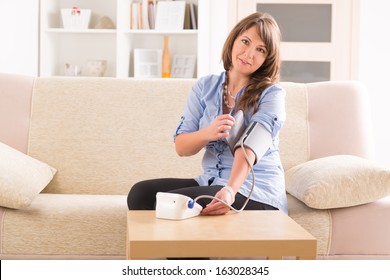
point(294, 137)
point(105, 134)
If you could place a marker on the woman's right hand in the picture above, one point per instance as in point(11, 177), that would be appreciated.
point(188, 144)
point(220, 127)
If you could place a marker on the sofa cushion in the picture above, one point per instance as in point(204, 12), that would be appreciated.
point(317, 222)
point(338, 181)
point(66, 227)
point(21, 177)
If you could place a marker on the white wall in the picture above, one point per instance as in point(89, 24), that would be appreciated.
point(214, 27)
point(19, 36)
point(374, 53)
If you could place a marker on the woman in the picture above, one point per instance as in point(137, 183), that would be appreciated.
point(252, 62)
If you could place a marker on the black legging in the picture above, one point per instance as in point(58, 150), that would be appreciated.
point(142, 195)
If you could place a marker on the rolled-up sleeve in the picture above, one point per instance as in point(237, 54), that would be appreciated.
point(193, 111)
point(272, 112)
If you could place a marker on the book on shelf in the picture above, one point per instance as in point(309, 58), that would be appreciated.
point(134, 15)
point(139, 14)
point(193, 15)
point(163, 14)
point(152, 13)
point(187, 17)
point(145, 18)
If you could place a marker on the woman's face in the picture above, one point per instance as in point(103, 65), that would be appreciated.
point(248, 52)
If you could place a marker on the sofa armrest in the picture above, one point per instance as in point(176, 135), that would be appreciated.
point(15, 110)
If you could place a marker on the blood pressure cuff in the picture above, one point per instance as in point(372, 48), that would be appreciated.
point(256, 138)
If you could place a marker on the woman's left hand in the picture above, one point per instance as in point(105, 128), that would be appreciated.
point(218, 208)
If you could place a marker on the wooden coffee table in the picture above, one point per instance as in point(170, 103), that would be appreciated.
point(270, 234)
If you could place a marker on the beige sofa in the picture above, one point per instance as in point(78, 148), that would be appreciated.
point(104, 134)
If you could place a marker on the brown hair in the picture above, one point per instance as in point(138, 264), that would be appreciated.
point(269, 72)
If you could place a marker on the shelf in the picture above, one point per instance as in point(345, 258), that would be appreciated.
point(60, 46)
point(87, 31)
point(162, 32)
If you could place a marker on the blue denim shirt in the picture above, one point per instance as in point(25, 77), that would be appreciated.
point(203, 105)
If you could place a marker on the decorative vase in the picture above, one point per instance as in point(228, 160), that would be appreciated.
point(166, 60)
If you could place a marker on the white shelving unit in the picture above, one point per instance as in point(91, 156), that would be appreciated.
point(59, 46)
